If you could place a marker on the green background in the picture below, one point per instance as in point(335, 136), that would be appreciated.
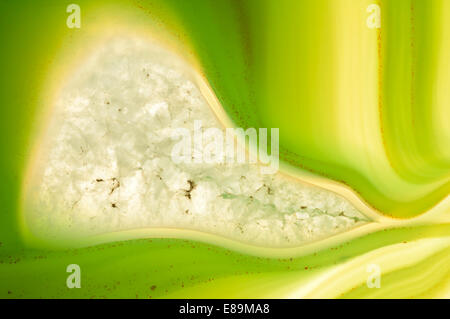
point(264, 77)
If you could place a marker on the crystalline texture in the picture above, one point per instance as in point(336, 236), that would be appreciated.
point(108, 167)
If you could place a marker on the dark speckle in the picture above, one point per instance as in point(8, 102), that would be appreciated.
point(192, 185)
point(115, 185)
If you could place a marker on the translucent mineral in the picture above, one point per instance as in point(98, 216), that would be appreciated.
point(106, 163)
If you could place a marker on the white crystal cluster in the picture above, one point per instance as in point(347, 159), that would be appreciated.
point(108, 163)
